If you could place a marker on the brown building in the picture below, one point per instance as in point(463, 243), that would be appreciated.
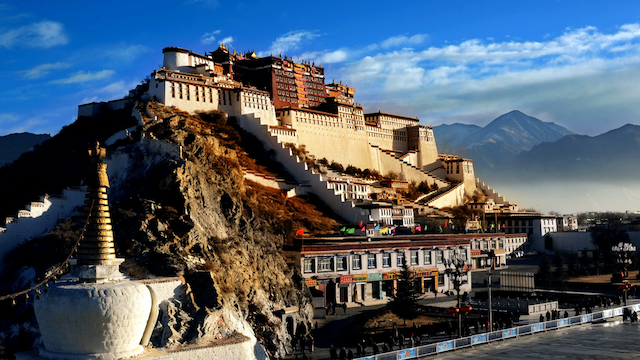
point(291, 84)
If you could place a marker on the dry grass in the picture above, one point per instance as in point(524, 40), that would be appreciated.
point(602, 279)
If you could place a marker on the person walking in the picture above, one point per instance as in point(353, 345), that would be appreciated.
point(333, 353)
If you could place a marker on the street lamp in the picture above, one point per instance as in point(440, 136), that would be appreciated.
point(491, 257)
point(623, 252)
point(458, 276)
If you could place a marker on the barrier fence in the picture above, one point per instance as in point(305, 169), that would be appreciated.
point(484, 338)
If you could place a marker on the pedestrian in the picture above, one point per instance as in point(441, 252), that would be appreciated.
point(359, 350)
point(294, 343)
point(541, 318)
point(333, 353)
point(350, 354)
point(343, 353)
point(375, 349)
point(566, 314)
point(344, 307)
point(548, 315)
point(311, 343)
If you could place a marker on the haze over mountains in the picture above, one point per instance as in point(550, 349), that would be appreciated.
point(498, 142)
point(536, 163)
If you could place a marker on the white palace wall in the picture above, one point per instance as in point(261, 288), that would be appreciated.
point(327, 136)
point(39, 218)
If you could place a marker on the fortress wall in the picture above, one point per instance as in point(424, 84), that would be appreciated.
point(43, 217)
point(315, 182)
point(331, 140)
point(428, 152)
point(451, 198)
point(389, 163)
point(490, 193)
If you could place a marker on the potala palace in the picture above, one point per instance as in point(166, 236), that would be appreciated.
point(284, 102)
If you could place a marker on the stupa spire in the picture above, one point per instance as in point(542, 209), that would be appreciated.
point(97, 246)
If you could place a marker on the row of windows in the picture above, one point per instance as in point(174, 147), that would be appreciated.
point(487, 244)
point(339, 263)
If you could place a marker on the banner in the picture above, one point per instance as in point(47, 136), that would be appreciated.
point(360, 278)
point(425, 273)
point(408, 353)
point(563, 322)
point(586, 318)
point(607, 314)
point(346, 279)
point(477, 339)
point(445, 346)
point(375, 277)
point(509, 333)
point(537, 327)
point(311, 282)
point(390, 275)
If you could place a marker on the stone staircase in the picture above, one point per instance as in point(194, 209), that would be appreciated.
point(411, 172)
point(307, 178)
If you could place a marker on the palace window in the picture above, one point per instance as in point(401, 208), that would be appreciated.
point(386, 259)
point(187, 91)
point(371, 261)
point(309, 265)
point(400, 258)
point(325, 264)
point(356, 262)
point(414, 257)
point(427, 257)
point(173, 90)
point(439, 256)
point(341, 263)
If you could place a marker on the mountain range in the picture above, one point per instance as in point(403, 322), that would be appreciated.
point(498, 142)
point(14, 145)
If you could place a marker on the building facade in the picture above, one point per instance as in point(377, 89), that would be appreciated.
point(348, 271)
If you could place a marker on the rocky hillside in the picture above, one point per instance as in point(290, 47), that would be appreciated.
point(197, 217)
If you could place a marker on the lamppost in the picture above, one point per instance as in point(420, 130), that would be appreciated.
point(458, 276)
point(489, 301)
point(623, 252)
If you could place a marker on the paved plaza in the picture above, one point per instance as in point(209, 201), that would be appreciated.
point(611, 340)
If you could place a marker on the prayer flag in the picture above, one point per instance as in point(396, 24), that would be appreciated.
point(440, 229)
point(360, 225)
point(418, 228)
point(351, 231)
point(362, 229)
point(453, 226)
point(300, 232)
point(445, 223)
point(343, 228)
point(377, 227)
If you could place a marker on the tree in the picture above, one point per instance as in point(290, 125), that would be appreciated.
point(404, 301)
point(544, 271)
point(558, 272)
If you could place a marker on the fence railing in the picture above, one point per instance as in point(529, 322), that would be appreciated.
point(484, 338)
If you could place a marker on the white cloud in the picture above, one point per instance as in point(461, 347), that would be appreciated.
point(227, 41)
point(326, 57)
point(44, 70)
point(126, 53)
point(82, 77)
point(402, 40)
point(288, 42)
point(582, 71)
point(43, 34)
point(209, 37)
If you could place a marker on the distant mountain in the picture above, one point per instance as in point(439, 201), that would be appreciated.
point(611, 156)
point(499, 141)
point(449, 137)
point(14, 145)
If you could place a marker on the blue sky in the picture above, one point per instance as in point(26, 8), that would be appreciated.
point(576, 63)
